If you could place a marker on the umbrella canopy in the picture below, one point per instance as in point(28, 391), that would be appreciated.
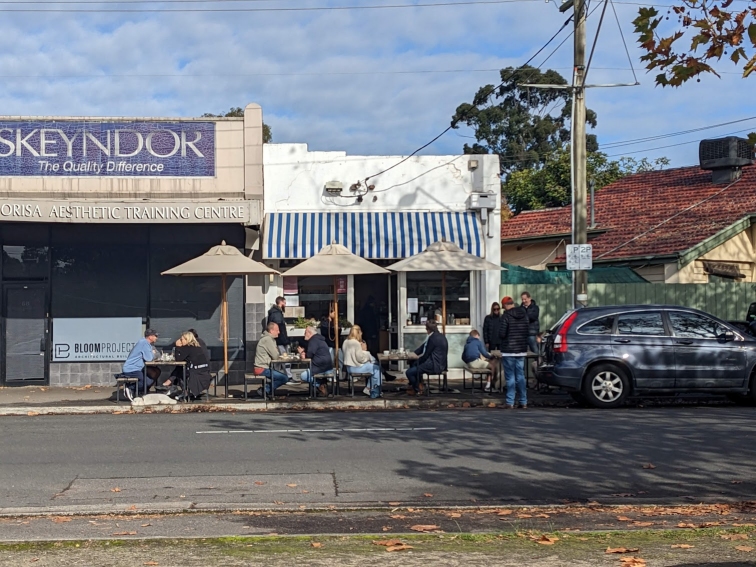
point(335, 260)
point(220, 260)
point(443, 257)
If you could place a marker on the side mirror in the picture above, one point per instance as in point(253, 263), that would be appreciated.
point(727, 337)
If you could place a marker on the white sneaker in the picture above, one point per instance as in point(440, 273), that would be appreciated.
point(129, 395)
point(487, 387)
point(366, 391)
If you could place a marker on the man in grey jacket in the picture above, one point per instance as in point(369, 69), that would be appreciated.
point(267, 350)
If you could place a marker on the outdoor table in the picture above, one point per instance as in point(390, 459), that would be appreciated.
point(406, 356)
point(303, 363)
point(182, 363)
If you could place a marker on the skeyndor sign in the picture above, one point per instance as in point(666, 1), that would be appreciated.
point(111, 149)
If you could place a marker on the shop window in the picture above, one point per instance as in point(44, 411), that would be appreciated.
point(179, 303)
point(424, 297)
point(99, 271)
point(25, 252)
point(314, 297)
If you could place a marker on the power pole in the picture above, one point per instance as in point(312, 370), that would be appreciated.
point(579, 164)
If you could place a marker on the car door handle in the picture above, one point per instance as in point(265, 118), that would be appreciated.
point(685, 342)
point(624, 341)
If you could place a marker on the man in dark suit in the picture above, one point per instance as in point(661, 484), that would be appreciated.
point(433, 358)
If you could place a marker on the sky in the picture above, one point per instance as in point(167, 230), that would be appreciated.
point(368, 81)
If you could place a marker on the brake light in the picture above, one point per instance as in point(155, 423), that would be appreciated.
point(560, 340)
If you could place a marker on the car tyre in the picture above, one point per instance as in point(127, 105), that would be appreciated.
point(606, 386)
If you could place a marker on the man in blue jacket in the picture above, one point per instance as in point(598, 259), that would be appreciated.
point(476, 357)
point(433, 355)
point(134, 365)
point(321, 359)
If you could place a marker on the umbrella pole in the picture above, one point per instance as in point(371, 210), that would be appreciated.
point(443, 301)
point(224, 324)
point(336, 324)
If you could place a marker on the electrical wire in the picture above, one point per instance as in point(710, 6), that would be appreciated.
point(622, 35)
point(595, 42)
point(612, 145)
point(672, 145)
point(454, 123)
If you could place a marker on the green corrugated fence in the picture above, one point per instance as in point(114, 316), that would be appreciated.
point(726, 300)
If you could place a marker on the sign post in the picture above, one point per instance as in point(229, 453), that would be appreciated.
point(579, 258)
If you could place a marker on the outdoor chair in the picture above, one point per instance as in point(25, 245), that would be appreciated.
point(479, 373)
point(443, 376)
point(122, 380)
point(265, 381)
point(352, 376)
point(327, 377)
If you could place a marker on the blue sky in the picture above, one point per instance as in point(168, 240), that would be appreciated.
point(365, 81)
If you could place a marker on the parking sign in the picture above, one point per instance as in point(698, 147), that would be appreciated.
point(579, 256)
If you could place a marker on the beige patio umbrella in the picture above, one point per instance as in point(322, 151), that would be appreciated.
point(445, 257)
point(221, 261)
point(335, 260)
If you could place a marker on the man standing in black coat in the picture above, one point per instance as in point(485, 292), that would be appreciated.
point(276, 315)
point(514, 332)
point(433, 355)
point(533, 311)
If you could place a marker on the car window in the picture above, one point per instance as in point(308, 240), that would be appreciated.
point(649, 323)
point(600, 326)
point(693, 326)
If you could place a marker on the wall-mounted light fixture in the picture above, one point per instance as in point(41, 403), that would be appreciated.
point(334, 187)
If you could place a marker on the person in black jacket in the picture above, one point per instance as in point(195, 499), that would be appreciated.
point(328, 327)
point(491, 328)
point(321, 359)
point(433, 355)
point(533, 311)
point(514, 332)
point(198, 376)
point(276, 315)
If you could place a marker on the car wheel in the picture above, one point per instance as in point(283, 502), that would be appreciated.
point(606, 386)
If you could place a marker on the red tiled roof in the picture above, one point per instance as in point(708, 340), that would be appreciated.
point(630, 209)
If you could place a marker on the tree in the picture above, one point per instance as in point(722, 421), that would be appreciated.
point(238, 112)
point(550, 185)
point(704, 24)
point(523, 125)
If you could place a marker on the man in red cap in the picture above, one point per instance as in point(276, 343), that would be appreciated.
point(514, 332)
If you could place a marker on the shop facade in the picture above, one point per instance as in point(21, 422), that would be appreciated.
point(92, 210)
point(315, 198)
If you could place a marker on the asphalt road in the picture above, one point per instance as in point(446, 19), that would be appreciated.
point(467, 457)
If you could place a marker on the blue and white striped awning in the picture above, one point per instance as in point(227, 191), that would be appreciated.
point(370, 235)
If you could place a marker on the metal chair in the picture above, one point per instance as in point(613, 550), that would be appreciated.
point(480, 373)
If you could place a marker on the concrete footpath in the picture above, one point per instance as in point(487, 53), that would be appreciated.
point(86, 400)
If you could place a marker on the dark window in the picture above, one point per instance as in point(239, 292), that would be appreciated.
point(26, 252)
point(640, 324)
point(692, 326)
point(99, 271)
point(601, 326)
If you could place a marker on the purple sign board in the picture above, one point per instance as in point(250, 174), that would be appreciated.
point(31, 148)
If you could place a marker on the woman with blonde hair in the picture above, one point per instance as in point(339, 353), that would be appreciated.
point(357, 359)
point(198, 376)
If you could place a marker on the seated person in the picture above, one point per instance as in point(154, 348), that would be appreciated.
point(358, 359)
point(433, 358)
point(197, 367)
point(476, 357)
point(321, 360)
point(267, 350)
point(134, 367)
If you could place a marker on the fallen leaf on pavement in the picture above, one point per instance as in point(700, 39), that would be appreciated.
point(424, 527)
point(394, 503)
point(61, 519)
point(124, 533)
point(259, 482)
point(733, 537)
point(146, 525)
point(546, 540)
point(455, 515)
point(401, 547)
point(624, 519)
point(743, 548)
point(32, 413)
point(151, 563)
point(305, 492)
point(291, 485)
point(649, 466)
point(744, 525)
point(116, 489)
point(34, 559)
point(632, 562)
point(397, 517)
point(736, 482)
point(622, 550)
point(643, 524)
point(541, 516)
point(428, 495)
point(386, 528)
point(316, 544)
point(410, 509)
point(683, 525)
point(277, 502)
point(524, 516)
point(504, 512)
point(388, 542)
point(682, 546)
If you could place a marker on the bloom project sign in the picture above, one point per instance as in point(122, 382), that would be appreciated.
point(62, 148)
point(88, 339)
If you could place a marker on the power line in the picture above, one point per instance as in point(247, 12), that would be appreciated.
point(612, 145)
point(454, 123)
point(673, 145)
